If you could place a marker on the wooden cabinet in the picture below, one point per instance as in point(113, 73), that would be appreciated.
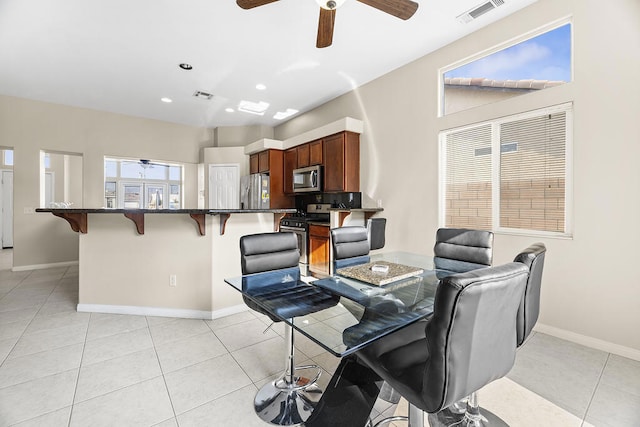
point(319, 257)
point(264, 158)
point(341, 154)
point(290, 163)
point(303, 155)
point(315, 153)
point(272, 163)
point(253, 163)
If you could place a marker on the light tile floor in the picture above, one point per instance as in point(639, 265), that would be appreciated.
point(63, 368)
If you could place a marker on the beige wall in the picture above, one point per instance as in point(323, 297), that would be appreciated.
point(590, 292)
point(30, 126)
point(236, 136)
point(136, 280)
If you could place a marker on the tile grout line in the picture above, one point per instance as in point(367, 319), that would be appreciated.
point(595, 389)
point(32, 318)
point(164, 379)
point(236, 360)
point(75, 389)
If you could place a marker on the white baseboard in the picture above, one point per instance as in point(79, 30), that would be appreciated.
point(161, 312)
point(620, 350)
point(43, 266)
point(145, 311)
point(228, 311)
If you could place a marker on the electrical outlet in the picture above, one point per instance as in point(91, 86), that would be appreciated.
point(173, 280)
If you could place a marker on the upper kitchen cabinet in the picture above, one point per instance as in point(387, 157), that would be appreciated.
point(264, 160)
point(253, 163)
point(315, 152)
point(341, 154)
point(260, 162)
point(303, 155)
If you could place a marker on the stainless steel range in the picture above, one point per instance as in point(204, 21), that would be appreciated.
point(298, 224)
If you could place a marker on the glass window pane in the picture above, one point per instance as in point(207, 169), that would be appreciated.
point(110, 168)
point(156, 171)
point(532, 177)
point(174, 197)
point(175, 173)
point(468, 178)
point(130, 170)
point(538, 63)
point(8, 157)
point(523, 188)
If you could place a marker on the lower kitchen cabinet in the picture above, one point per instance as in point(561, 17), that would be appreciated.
point(319, 255)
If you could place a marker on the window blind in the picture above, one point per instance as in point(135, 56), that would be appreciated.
point(468, 178)
point(522, 188)
point(532, 178)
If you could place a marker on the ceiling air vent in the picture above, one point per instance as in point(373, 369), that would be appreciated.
point(478, 11)
point(202, 95)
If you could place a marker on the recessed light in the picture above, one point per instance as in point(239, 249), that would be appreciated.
point(284, 114)
point(186, 66)
point(260, 86)
point(253, 107)
point(167, 100)
point(229, 110)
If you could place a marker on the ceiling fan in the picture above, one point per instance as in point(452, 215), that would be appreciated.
point(403, 9)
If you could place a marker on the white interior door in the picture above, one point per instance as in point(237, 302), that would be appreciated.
point(224, 186)
point(7, 209)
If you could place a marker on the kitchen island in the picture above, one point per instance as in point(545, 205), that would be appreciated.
point(164, 264)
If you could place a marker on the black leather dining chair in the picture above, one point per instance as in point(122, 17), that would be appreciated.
point(532, 257)
point(466, 344)
point(473, 247)
point(376, 232)
point(350, 246)
point(270, 272)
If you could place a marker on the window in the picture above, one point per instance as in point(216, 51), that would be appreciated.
point(537, 63)
point(142, 184)
point(7, 157)
point(509, 174)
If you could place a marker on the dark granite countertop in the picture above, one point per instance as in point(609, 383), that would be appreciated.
point(163, 211)
point(356, 209)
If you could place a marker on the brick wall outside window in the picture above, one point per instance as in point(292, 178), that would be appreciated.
point(536, 204)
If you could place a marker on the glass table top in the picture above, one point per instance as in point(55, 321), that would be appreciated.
point(342, 314)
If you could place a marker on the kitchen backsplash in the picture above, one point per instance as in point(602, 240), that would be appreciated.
point(342, 200)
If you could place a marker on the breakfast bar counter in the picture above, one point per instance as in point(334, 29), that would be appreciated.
point(166, 264)
point(77, 217)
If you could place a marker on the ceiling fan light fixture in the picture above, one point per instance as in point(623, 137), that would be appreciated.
point(330, 4)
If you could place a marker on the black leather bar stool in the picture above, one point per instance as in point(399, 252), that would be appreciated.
point(474, 247)
point(437, 362)
point(271, 272)
point(532, 257)
point(350, 246)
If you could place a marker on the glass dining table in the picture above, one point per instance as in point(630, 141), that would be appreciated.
point(362, 312)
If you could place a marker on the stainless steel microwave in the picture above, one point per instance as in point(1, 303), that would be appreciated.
point(307, 180)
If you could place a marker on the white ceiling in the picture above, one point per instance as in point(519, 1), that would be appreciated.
point(122, 55)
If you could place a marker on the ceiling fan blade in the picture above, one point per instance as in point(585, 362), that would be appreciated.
point(325, 27)
point(403, 9)
point(250, 4)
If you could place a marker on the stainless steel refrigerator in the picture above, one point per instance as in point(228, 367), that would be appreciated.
point(254, 191)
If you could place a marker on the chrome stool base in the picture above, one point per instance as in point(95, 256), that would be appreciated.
point(466, 415)
point(284, 404)
point(451, 419)
point(290, 399)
